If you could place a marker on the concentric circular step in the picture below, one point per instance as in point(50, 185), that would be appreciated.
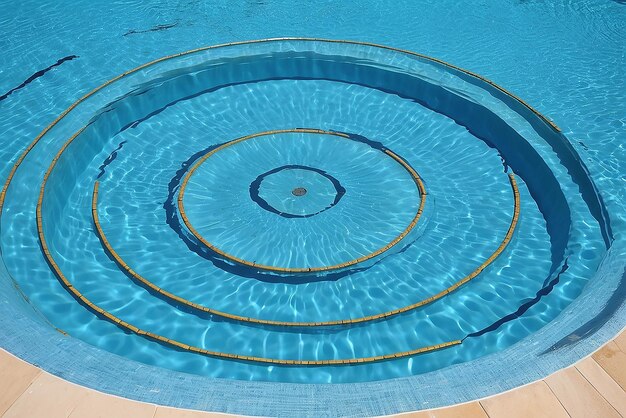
point(236, 209)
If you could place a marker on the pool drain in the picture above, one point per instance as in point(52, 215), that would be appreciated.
point(299, 191)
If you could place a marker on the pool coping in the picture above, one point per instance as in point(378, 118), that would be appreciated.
point(594, 385)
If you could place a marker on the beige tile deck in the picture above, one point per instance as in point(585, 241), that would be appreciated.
point(534, 400)
point(578, 396)
point(613, 361)
point(603, 383)
point(620, 340)
point(594, 387)
point(49, 397)
point(467, 410)
point(15, 377)
point(163, 412)
point(99, 405)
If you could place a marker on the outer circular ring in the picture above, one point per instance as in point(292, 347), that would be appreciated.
point(146, 283)
point(206, 48)
point(181, 207)
point(129, 327)
point(400, 394)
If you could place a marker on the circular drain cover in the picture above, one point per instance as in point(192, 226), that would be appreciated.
point(298, 191)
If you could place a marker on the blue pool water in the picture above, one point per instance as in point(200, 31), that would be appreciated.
point(268, 210)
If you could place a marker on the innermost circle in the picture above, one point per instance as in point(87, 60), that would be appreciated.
point(268, 191)
point(298, 191)
point(338, 168)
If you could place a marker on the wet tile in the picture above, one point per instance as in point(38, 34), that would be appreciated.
point(49, 397)
point(15, 377)
point(535, 400)
point(613, 361)
point(604, 384)
point(620, 340)
point(99, 405)
point(578, 396)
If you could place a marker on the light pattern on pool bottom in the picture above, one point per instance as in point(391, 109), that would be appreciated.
point(388, 232)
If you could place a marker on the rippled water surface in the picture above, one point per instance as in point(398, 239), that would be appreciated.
point(389, 173)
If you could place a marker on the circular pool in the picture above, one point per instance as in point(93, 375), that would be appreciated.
point(303, 211)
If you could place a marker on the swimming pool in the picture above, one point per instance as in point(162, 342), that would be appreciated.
point(307, 217)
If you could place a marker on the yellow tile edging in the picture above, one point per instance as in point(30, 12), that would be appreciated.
point(181, 207)
point(177, 344)
point(180, 345)
point(188, 303)
point(168, 57)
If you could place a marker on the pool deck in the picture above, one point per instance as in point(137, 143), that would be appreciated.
point(593, 387)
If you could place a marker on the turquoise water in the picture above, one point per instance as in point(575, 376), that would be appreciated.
point(460, 135)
